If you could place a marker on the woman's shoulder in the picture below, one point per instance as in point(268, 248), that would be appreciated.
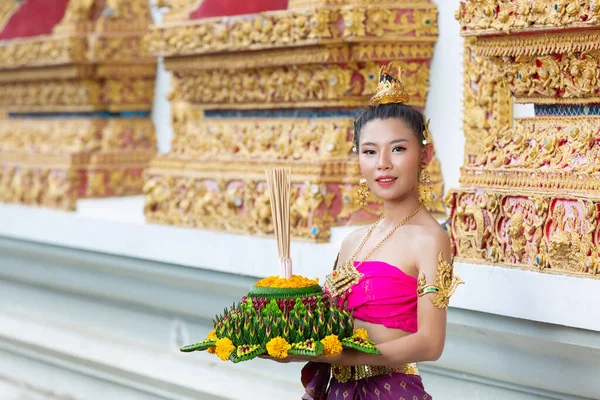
point(429, 236)
point(351, 241)
point(356, 234)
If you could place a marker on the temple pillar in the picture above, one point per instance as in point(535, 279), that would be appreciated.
point(76, 89)
point(530, 187)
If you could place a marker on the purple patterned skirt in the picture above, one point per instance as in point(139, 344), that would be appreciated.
point(319, 385)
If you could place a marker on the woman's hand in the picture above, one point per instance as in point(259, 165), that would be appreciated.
point(304, 359)
point(289, 359)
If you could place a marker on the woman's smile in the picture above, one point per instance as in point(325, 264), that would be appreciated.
point(385, 180)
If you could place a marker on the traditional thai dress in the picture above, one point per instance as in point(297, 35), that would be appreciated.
point(387, 296)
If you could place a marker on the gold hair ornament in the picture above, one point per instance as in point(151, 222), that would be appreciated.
point(426, 122)
point(444, 286)
point(390, 89)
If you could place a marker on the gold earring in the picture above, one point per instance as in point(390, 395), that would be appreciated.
point(425, 187)
point(363, 193)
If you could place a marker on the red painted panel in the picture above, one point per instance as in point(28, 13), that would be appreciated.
point(34, 18)
point(223, 8)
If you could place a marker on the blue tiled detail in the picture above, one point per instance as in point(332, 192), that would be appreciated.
point(310, 113)
point(95, 114)
point(567, 110)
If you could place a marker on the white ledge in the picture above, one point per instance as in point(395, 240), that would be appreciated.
point(117, 226)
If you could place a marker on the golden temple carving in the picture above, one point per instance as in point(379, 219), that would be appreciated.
point(297, 28)
point(478, 17)
point(52, 162)
point(556, 234)
point(311, 85)
point(288, 102)
point(93, 63)
point(297, 4)
point(7, 9)
point(530, 188)
point(34, 52)
point(264, 139)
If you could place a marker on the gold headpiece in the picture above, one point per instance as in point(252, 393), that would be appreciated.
point(390, 89)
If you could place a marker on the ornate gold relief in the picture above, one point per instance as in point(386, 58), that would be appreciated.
point(80, 52)
point(556, 234)
point(55, 95)
point(209, 200)
point(543, 143)
point(7, 9)
point(555, 43)
point(34, 52)
point(479, 17)
point(179, 10)
point(48, 187)
point(306, 85)
point(95, 61)
point(529, 187)
point(294, 4)
point(236, 153)
point(325, 56)
point(294, 28)
point(264, 139)
point(567, 78)
point(53, 162)
point(487, 101)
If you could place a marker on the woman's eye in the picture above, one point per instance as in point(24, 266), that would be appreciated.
point(398, 148)
point(369, 152)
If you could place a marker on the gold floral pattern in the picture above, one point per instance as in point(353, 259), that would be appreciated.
point(87, 64)
point(327, 55)
point(528, 195)
point(312, 85)
point(265, 139)
point(491, 16)
point(284, 28)
point(52, 163)
point(543, 232)
point(564, 78)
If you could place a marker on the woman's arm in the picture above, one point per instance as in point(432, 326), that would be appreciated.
point(428, 342)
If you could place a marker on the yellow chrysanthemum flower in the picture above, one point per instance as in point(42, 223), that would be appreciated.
point(333, 346)
point(295, 282)
point(362, 333)
point(278, 347)
point(224, 347)
point(212, 335)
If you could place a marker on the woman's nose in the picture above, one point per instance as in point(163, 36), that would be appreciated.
point(383, 163)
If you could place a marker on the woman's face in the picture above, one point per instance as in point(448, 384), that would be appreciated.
point(390, 156)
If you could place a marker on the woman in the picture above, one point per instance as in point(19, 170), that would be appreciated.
point(396, 275)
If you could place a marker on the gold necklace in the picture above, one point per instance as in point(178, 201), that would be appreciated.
point(343, 278)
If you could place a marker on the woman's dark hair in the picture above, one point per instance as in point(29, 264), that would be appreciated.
point(411, 116)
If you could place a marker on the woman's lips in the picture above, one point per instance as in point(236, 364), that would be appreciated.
point(388, 181)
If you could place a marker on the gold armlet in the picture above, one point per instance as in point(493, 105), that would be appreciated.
point(444, 286)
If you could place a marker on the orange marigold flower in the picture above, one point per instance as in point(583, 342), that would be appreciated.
point(278, 347)
point(362, 333)
point(333, 346)
point(224, 347)
point(295, 282)
point(212, 335)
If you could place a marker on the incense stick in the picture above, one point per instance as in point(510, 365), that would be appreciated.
point(279, 184)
